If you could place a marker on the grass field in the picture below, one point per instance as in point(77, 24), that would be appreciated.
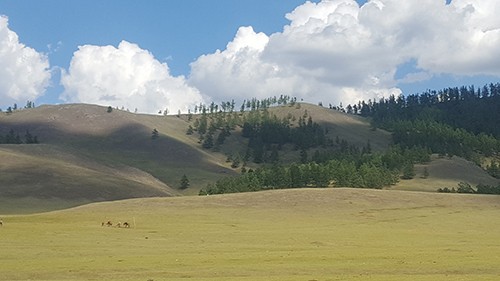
point(327, 234)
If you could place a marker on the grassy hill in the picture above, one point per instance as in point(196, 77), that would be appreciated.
point(87, 154)
point(300, 234)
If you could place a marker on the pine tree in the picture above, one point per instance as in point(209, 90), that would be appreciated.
point(29, 138)
point(154, 134)
point(208, 141)
point(190, 130)
point(184, 182)
point(408, 171)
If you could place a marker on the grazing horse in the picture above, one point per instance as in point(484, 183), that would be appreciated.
point(126, 225)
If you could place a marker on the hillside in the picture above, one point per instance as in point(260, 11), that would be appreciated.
point(446, 172)
point(87, 154)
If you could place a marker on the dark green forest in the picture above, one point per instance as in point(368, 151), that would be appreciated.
point(344, 169)
point(459, 121)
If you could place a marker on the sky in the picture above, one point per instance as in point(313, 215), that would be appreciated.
point(153, 55)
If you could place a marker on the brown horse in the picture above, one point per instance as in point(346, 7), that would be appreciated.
point(108, 223)
point(126, 225)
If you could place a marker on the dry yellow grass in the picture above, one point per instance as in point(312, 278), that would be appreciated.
point(327, 234)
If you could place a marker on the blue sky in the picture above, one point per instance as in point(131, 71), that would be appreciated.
point(176, 31)
point(159, 54)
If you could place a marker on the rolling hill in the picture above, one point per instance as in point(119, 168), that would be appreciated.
point(88, 154)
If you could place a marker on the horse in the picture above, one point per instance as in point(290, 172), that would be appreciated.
point(108, 223)
point(126, 225)
point(1, 222)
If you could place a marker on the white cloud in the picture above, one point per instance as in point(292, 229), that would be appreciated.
point(24, 73)
point(238, 70)
point(335, 51)
point(126, 76)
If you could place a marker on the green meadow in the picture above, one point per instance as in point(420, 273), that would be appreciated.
point(303, 234)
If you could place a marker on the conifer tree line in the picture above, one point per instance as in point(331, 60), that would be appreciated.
point(476, 110)
point(13, 137)
point(266, 132)
point(464, 187)
point(350, 168)
point(457, 121)
point(461, 121)
point(10, 109)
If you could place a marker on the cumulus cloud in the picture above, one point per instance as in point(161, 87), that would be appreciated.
point(336, 51)
point(24, 73)
point(125, 76)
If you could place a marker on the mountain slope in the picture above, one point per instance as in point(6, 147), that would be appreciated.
point(89, 154)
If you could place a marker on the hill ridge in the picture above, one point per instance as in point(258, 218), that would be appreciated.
point(111, 155)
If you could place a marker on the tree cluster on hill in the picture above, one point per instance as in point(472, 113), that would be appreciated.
point(10, 109)
point(247, 105)
point(14, 138)
point(266, 132)
point(440, 122)
point(460, 121)
point(475, 110)
point(343, 169)
point(493, 169)
point(464, 187)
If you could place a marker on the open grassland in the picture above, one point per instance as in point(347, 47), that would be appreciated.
point(322, 234)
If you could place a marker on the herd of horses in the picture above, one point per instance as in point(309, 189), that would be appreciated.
point(108, 224)
point(119, 224)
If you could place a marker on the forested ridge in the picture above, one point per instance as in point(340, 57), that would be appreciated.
point(476, 110)
point(459, 121)
point(323, 161)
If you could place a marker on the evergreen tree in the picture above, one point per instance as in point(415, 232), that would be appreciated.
point(208, 141)
point(189, 130)
point(295, 176)
point(184, 182)
point(408, 171)
point(29, 138)
point(155, 134)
